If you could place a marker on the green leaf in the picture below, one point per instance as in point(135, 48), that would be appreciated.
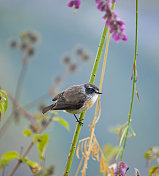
point(27, 133)
point(118, 154)
point(132, 132)
point(62, 121)
point(41, 141)
point(7, 157)
point(123, 135)
point(3, 102)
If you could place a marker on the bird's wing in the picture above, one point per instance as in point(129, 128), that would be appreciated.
point(71, 98)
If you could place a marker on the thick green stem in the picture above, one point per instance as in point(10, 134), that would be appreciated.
point(133, 88)
point(92, 78)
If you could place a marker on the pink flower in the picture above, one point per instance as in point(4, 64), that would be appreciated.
point(121, 169)
point(74, 3)
point(111, 19)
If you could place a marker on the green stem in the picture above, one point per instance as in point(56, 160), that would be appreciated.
point(78, 128)
point(133, 88)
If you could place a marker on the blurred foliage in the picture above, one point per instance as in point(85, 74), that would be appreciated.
point(3, 101)
point(122, 131)
point(62, 121)
point(110, 152)
point(150, 155)
point(34, 166)
point(46, 171)
point(7, 157)
point(27, 132)
point(41, 141)
point(11, 155)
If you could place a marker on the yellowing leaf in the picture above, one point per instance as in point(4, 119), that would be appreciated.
point(41, 141)
point(7, 157)
point(35, 167)
point(62, 122)
point(154, 171)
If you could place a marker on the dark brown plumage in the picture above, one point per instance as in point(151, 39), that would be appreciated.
point(75, 99)
point(71, 98)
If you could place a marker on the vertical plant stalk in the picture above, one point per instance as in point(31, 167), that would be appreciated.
point(96, 111)
point(133, 88)
point(78, 127)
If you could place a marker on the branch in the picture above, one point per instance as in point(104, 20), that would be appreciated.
point(78, 127)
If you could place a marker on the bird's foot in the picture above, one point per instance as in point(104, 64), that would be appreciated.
point(80, 121)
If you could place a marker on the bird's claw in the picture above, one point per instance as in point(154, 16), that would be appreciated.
point(79, 121)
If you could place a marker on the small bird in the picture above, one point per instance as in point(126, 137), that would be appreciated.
point(75, 100)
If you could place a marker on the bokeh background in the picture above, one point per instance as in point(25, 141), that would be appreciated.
point(61, 31)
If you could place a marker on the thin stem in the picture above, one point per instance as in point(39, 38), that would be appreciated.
point(17, 96)
point(78, 127)
point(19, 161)
point(20, 81)
point(133, 88)
point(29, 148)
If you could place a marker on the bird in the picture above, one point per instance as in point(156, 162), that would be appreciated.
point(75, 100)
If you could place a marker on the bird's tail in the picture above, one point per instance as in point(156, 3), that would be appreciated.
point(47, 108)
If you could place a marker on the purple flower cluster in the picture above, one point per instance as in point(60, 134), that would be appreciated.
point(121, 169)
point(74, 3)
point(112, 20)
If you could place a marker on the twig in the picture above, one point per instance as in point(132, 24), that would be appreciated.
point(19, 161)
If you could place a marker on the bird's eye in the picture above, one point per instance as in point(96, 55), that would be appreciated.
point(90, 90)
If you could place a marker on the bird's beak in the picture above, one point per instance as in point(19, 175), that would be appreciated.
point(99, 92)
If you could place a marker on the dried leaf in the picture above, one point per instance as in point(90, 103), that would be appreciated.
point(137, 93)
point(77, 150)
